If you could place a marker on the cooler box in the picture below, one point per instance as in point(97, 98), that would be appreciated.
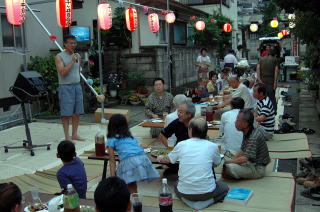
point(108, 112)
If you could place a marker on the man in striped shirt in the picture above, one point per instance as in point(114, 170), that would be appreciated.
point(264, 112)
point(251, 160)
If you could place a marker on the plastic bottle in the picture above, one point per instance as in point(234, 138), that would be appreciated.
point(100, 144)
point(165, 197)
point(71, 200)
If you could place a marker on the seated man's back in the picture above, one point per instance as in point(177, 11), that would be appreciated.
point(232, 138)
point(196, 158)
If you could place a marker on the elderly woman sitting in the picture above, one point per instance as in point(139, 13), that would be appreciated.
point(212, 85)
point(158, 103)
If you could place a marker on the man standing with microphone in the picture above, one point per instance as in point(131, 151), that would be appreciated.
point(70, 90)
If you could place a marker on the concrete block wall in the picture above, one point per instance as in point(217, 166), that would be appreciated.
point(153, 62)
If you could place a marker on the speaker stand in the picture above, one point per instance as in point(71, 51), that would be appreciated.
point(26, 144)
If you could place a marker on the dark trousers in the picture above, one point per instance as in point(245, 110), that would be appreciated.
point(217, 194)
point(271, 95)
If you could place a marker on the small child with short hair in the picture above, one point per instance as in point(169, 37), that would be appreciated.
point(72, 171)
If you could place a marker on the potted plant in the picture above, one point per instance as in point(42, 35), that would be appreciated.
point(134, 99)
point(113, 83)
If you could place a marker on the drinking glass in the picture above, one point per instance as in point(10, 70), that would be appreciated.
point(136, 200)
point(171, 145)
point(210, 97)
point(164, 115)
point(35, 194)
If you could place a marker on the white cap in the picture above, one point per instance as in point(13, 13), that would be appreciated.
point(69, 186)
point(164, 180)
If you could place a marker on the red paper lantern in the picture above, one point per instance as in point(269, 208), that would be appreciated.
point(64, 13)
point(131, 19)
point(200, 25)
point(285, 32)
point(163, 12)
point(153, 21)
point(104, 16)
point(227, 27)
point(192, 18)
point(170, 18)
point(16, 11)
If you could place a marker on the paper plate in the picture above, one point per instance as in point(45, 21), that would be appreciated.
point(26, 209)
point(157, 121)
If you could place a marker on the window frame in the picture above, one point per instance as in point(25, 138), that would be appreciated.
point(163, 30)
point(185, 33)
point(13, 48)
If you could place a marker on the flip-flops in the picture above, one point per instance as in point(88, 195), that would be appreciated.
point(312, 193)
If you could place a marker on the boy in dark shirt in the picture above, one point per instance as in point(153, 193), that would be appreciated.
point(72, 171)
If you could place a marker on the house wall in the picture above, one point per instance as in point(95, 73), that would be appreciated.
point(37, 44)
point(153, 62)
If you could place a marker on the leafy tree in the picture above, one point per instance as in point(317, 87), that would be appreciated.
point(292, 5)
point(307, 18)
point(47, 68)
point(118, 33)
point(213, 33)
point(269, 11)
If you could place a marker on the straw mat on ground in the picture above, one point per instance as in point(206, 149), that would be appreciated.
point(290, 155)
point(18, 161)
point(270, 194)
point(288, 145)
point(288, 136)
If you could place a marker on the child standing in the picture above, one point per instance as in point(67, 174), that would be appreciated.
point(134, 165)
point(72, 171)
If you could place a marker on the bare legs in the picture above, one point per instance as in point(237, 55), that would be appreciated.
point(75, 124)
point(65, 124)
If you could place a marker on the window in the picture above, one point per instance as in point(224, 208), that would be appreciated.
point(180, 33)
point(190, 33)
point(163, 32)
point(253, 36)
point(11, 35)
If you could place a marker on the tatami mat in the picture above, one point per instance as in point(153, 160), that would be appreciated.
point(270, 194)
point(288, 145)
point(288, 136)
point(19, 161)
point(290, 155)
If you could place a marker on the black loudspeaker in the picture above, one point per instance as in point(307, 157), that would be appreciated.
point(29, 86)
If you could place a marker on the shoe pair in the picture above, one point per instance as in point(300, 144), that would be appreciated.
point(307, 131)
point(288, 121)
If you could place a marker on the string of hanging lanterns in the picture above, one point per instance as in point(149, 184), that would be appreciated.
point(200, 24)
point(131, 16)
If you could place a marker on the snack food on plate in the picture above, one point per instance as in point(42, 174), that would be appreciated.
point(37, 207)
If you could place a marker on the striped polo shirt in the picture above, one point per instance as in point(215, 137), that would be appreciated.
point(264, 107)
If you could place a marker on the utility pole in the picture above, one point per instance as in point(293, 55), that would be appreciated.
point(169, 62)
